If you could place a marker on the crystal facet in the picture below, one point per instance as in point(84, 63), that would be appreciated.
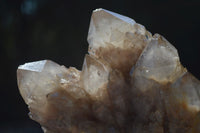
point(131, 82)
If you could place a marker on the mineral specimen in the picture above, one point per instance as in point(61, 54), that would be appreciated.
point(131, 82)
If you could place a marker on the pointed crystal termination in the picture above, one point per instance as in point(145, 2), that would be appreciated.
point(95, 77)
point(159, 61)
point(33, 77)
point(131, 82)
point(113, 35)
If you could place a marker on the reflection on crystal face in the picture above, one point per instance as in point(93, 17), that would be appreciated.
point(33, 66)
point(36, 80)
point(131, 82)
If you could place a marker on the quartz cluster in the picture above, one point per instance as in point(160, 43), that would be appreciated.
point(131, 82)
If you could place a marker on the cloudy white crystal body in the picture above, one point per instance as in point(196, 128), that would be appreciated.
point(131, 82)
point(37, 76)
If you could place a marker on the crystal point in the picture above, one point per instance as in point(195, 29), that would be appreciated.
point(94, 76)
point(159, 61)
point(119, 16)
point(130, 82)
point(34, 77)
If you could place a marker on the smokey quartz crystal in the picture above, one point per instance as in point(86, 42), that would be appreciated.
point(131, 82)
